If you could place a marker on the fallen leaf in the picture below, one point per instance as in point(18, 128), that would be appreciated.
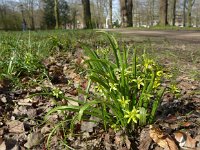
point(1, 140)
point(162, 139)
point(197, 138)
point(3, 146)
point(128, 143)
point(145, 139)
point(118, 140)
point(1, 131)
point(107, 142)
point(73, 92)
point(88, 126)
point(33, 139)
point(186, 86)
point(185, 140)
point(15, 126)
point(45, 129)
point(32, 113)
point(3, 99)
point(9, 144)
point(73, 103)
point(171, 118)
point(186, 124)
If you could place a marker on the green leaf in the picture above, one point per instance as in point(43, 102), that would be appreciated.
point(156, 104)
point(98, 80)
point(143, 116)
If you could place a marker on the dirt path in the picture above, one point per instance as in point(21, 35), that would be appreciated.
point(190, 36)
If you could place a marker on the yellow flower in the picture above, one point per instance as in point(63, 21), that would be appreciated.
point(127, 71)
point(148, 63)
point(98, 88)
point(132, 115)
point(123, 102)
point(113, 86)
point(147, 96)
point(156, 84)
point(56, 92)
point(159, 73)
point(115, 127)
point(174, 89)
point(139, 82)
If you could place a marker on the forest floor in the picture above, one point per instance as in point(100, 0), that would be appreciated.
point(22, 109)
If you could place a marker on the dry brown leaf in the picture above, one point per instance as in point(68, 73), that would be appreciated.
point(118, 140)
point(185, 140)
point(33, 139)
point(15, 126)
point(1, 140)
point(128, 143)
point(186, 124)
point(186, 86)
point(3, 146)
point(162, 139)
point(145, 139)
point(107, 142)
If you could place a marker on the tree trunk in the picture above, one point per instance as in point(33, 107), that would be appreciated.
point(126, 13)
point(153, 12)
point(123, 11)
point(163, 12)
point(32, 16)
point(3, 16)
point(110, 13)
point(189, 14)
point(86, 14)
point(197, 16)
point(174, 13)
point(74, 21)
point(129, 6)
point(184, 14)
point(56, 13)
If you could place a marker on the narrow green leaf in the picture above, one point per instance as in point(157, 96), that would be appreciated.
point(98, 80)
point(84, 107)
point(156, 104)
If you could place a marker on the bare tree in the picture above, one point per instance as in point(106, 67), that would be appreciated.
point(173, 12)
point(189, 12)
point(163, 12)
point(31, 3)
point(129, 13)
point(123, 11)
point(56, 13)
point(126, 13)
point(98, 11)
point(110, 13)
point(184, 12)
point(86, 14)
point(197, 13)
point(3, 14)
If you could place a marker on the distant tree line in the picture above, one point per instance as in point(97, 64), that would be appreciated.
point(72, 14)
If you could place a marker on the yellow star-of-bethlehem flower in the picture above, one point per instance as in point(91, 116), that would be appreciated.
point(113, 86)
point(159, 73)
point(123, 101)
point(139, 82)
point(156, 84)
point(132, 115)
